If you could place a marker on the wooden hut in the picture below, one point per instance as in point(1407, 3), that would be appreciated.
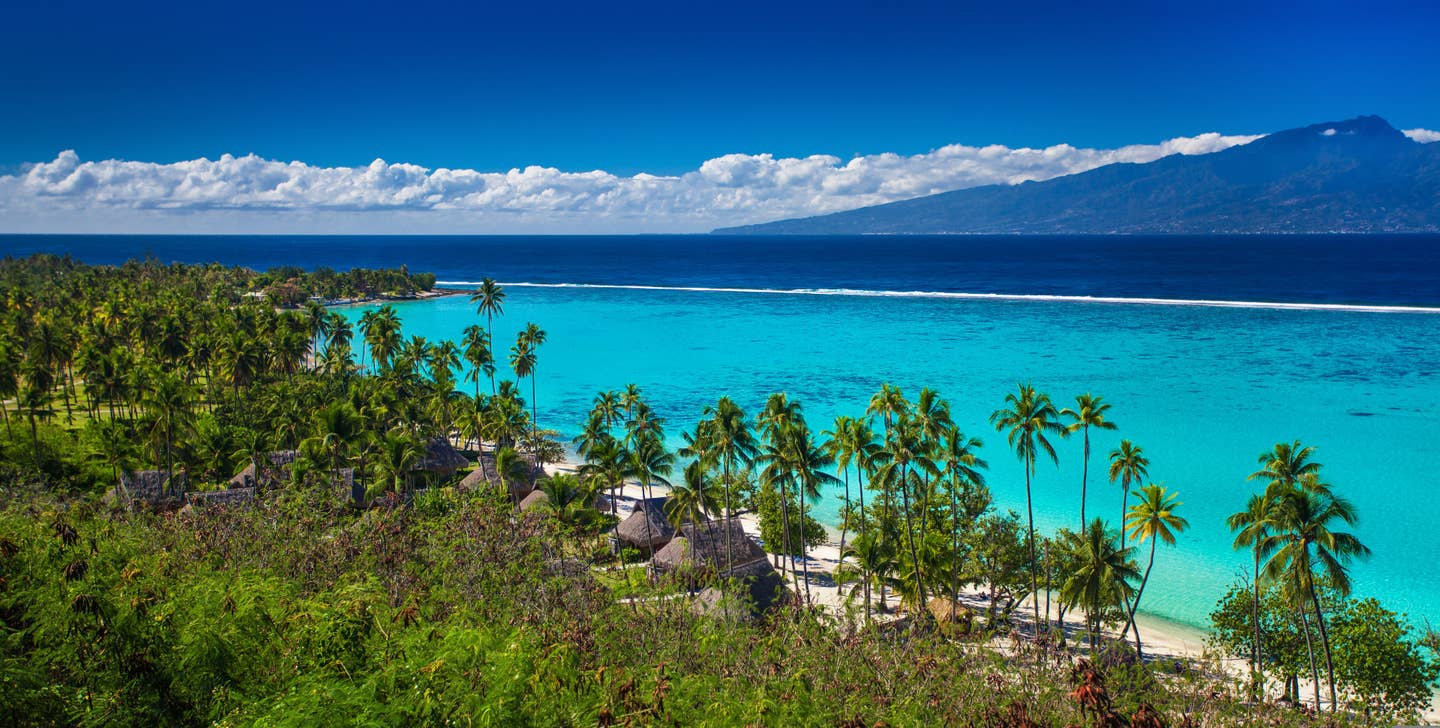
point(274, 471)
point(440, 459)
point(646, 527)
point(155, 488)
point(720, 549)
point(227, 497)
point(532, 501)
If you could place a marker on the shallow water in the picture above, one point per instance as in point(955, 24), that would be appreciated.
point(1204, 390)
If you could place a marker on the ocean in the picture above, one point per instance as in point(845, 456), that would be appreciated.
point(1348, 363)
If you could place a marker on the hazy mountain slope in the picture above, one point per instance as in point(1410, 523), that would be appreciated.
point(1360, 175)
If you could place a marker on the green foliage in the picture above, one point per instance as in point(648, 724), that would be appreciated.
point(1378, 660)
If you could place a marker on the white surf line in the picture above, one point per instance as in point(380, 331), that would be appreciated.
point(855, 292)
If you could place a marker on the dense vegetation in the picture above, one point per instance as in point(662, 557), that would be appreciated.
point(427, 602)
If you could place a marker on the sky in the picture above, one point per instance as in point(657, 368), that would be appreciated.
point(475, 117)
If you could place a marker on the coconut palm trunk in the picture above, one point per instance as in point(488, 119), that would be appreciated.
point(865, 570)
point(1258, 684)
point(1325, 645)
point(1030, 518)
point(1310, 651)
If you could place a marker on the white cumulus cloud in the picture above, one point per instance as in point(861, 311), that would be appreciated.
point(253, 194)
point(1424, 136)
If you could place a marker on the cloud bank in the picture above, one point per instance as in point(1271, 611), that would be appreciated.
point(252, 194)
point(1424, 136)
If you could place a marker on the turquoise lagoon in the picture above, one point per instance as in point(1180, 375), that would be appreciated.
point(1203, 389)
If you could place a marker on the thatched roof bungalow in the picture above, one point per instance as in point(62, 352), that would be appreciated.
point(705, 550)
point(274, 471)
point(762, 588)
point(532, 501)
point(646, 527)
point(227, 497)
point(440, 458)
point(155, 488)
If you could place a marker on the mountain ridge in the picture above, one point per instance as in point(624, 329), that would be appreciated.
point(1356, 175)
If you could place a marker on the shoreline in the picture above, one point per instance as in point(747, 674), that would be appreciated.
point(1162, 638)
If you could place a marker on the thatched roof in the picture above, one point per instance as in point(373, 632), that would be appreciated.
point(762, 589)
point(710, 545)
point(154, 487)
point(533, 500)
point(485, 472)
point(440, 457)
point(227, 497)
point(635, 531)
point(474, 480)
point(274, 471)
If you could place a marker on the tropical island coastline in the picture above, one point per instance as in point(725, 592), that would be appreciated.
point(195, 422)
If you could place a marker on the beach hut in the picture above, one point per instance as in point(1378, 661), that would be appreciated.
point(532, 501)
point(274, 471)
point(646, 527)
point(474, 480)
point(702, 552)
point(486, 473)
point(155, 488)
point(761, 588)
point(440, 459)
point(710, 546)
point(220, 498)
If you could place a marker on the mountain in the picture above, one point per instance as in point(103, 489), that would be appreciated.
point(1361, 175)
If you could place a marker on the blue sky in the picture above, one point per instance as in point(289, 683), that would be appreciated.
point(661, 88)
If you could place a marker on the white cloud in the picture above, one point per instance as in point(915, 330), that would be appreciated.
point(1424, 136)
point(245, 194)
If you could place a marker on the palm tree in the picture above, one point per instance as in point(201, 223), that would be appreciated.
point(1284, 466)
point(607, 461)
point(1304, 540)
point(396, 454)
point(169, 405)
point(532, 337)
point(33, 401)
point(510, 467)
point(490, 301)
point(522, 362)
point(1089, 412)
point(867, 561)
point(1152, 519)
point(960, 462)
point(694, 500)
point(1128, 464)
point(337, 426)
point(851, 441)
point(1252, 528)
point(904, 458)
point(1028, 421)
point(730, 443)
point(807, 463)
point(649, 463)
point(476, 344)
point(1101, 577)
point(608, 407)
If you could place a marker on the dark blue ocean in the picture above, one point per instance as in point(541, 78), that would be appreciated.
point(1203, 389)
point(1377, 269)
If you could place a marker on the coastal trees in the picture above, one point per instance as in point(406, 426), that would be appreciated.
point(1251, 527)
point(1153, 519)
point(489, 299)
point(1304, 541)
point(1128, 464)
point(1101, 577)
point(1089, 412)
point(476, 347)
point(1028, 421)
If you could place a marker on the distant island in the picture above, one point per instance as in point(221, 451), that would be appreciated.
point(1357, 176)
